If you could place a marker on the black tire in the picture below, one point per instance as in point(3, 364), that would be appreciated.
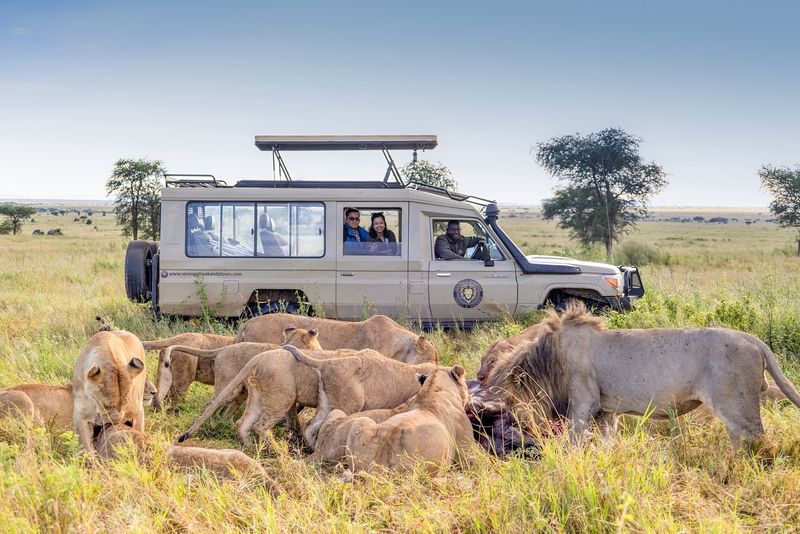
point(265, 308)
point(138, 258)
point(153, 247)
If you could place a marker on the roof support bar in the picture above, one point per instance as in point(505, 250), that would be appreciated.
point(391, 169)
point(282, 170)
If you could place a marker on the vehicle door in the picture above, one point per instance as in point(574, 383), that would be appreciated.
point(372, 276)
point(466, 290)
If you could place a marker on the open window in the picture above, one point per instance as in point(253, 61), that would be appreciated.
point(472, 231)
point(372, 231)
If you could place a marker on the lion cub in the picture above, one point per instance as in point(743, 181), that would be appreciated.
point(227, 361)
point(108, 384)
point(360, 382)
point(225, 463)
point(275, 384)
point(184, 368)
point(432, 428)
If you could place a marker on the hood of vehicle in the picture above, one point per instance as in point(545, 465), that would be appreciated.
point(588, 267)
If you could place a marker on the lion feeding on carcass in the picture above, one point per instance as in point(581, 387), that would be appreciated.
point(578, 370)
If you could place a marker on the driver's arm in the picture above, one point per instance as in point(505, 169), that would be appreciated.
point(443, 251)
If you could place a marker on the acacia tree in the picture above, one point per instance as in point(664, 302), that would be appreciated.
point(429, 173)
point(16, 215)
point(136, 183)
point(784, 185)
point(608, 184)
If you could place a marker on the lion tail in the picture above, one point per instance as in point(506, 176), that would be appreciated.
point(225, 396)
point(205, 354)
point(157, 344)
point(774, 369)
point(302, 358)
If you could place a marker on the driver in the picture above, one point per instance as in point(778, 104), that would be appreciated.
point(452, 245)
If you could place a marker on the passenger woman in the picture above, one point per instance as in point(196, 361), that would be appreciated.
point(383, 239)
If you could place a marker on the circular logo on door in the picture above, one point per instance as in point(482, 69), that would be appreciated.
point(468, 293)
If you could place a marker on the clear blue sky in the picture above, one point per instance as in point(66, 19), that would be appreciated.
point(711, 87)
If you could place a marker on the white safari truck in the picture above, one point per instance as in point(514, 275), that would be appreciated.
point(283, 245)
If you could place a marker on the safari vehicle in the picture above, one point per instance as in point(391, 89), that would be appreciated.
point(264, 246)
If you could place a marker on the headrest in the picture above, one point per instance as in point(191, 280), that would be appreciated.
point(209, 220)
point(265, 222)
point(193, 221)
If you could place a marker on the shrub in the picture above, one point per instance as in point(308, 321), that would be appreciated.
point(635, 253)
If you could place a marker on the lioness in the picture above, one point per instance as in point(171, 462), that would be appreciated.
point(432, 429)
point(502, 348)
point(379, 333)
point(275, 384)
point(184, 368)
point(49, 404)
point(577, 369)
point(225, 463)
point(360, 382)
point(108, 384)
point(228, 361)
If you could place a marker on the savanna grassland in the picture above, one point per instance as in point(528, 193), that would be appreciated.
point(665, 477)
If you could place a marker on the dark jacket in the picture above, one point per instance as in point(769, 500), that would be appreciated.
point(453, 249)
point(353, 240)
point(387, 247)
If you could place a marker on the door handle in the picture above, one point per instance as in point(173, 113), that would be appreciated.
point(346, 274)
point(443, 275)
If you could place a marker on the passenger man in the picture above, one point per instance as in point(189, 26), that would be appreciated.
point(354, 235)
point(452, 245)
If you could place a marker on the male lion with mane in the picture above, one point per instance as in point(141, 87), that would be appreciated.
point(576, 369)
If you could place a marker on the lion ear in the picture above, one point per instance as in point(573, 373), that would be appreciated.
point(135, 366)
point(287, 331)
point(421, 378)
point(313, 332)
point(457, 372)
point(93, 373)
point(421, 342)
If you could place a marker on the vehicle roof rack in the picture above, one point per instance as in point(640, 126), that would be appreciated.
point(454, 195)
point(345, 142)
point(193, 180)
point(384, 143)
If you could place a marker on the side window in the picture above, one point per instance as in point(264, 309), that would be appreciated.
point(247, 229)
point(291, 229)
point(202, 232)
point(470, 232)
point(236, 229)
point(371, 231)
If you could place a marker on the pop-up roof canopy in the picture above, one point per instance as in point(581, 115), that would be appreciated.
point(384, 143)
point(346, 142)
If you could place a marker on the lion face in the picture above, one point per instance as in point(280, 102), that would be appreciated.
point(111, 388)
point(493, 355)
point(424, 351)
point(301, 338)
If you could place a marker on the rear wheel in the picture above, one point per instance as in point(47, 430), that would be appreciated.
point(265, 308)
point(138, 259)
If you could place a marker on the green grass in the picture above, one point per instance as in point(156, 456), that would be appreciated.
point(675, 476)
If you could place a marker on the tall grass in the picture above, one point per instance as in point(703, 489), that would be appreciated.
point(674, 476)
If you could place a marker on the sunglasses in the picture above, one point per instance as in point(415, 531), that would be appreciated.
point(354, 218)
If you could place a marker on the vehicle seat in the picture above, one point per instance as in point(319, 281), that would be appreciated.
point(198, 243)
point(270, 240)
